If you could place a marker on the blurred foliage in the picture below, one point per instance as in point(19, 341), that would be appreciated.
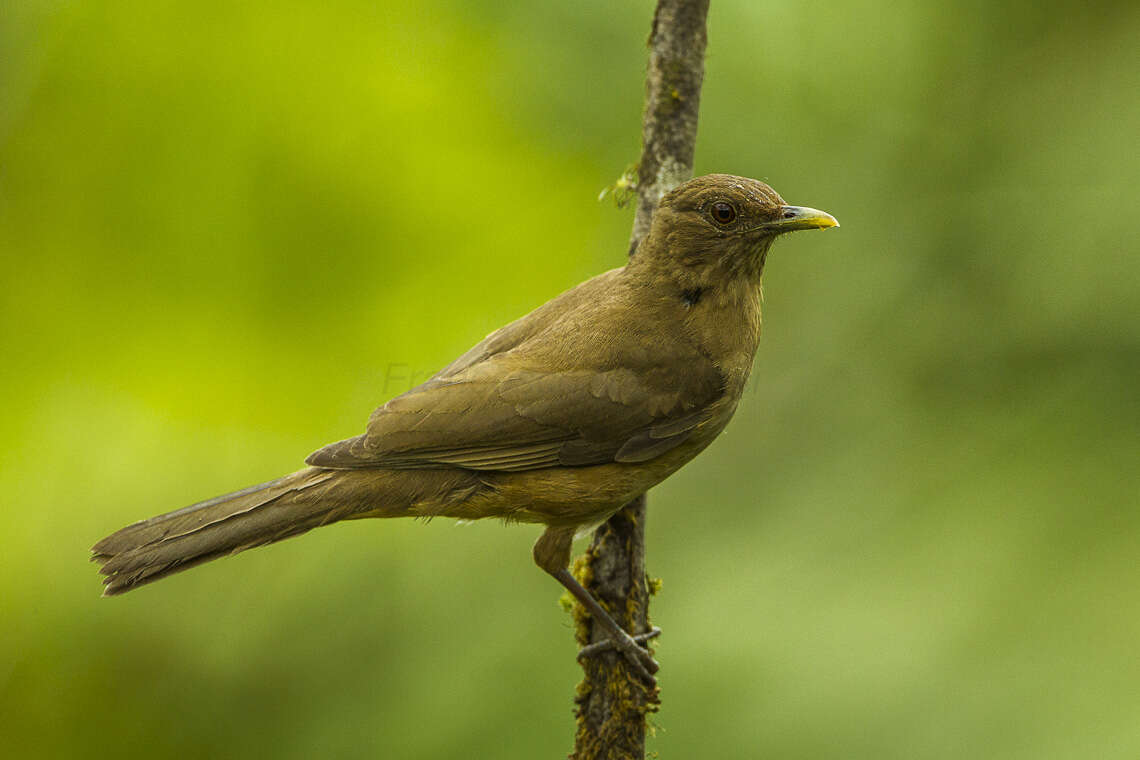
point(229, 230)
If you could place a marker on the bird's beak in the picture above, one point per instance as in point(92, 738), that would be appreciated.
point(792, 218)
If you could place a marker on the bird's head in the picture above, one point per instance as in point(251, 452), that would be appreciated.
point(720, 225)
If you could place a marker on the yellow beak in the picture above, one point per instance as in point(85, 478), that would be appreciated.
point(793, 218)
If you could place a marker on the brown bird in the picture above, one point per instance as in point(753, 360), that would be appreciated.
point(559, 418)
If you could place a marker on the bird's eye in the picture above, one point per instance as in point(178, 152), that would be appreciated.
point(722, 213)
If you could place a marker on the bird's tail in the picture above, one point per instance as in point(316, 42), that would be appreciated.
point(254, 516)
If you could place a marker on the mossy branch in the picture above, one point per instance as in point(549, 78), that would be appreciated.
point(613, 704)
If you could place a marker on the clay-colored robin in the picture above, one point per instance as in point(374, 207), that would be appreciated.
point(559, 418)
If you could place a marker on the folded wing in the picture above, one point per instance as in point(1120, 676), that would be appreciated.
point(501, 414)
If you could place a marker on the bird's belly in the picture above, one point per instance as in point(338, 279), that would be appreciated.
point(573, 495)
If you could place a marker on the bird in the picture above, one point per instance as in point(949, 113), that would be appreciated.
point(559, 418)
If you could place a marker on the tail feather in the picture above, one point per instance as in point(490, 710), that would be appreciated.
point(152, 549)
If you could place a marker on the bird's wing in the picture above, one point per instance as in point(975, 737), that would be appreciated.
point(507, 413)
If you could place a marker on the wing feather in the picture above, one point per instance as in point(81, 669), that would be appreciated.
point(551, 389)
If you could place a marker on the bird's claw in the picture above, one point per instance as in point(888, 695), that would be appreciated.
point(630, 647)
point(601, 646)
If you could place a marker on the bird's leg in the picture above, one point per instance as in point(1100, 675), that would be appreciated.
point(630, 646)
point(552, 554)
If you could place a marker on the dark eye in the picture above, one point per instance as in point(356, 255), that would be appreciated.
point(722, 213)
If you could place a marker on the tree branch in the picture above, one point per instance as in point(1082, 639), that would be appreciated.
point(612, 701)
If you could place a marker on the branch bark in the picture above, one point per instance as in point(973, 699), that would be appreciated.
point(613, 703)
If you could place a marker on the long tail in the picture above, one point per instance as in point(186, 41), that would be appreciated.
point(258, 515)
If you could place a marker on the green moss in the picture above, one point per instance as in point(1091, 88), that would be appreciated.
point(583, 570)
point(624, 188)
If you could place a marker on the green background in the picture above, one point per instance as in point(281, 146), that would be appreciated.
point(229, 230)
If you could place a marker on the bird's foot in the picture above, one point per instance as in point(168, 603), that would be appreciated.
point(631, 648)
